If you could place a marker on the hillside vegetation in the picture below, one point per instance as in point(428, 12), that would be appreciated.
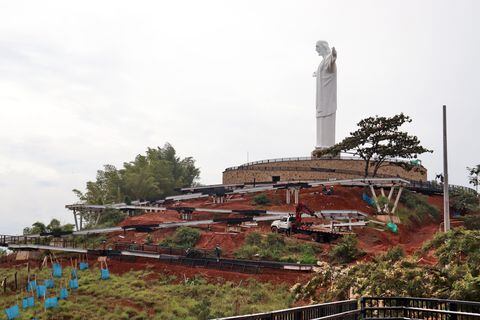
point(147, 295)
point(456, 275)
point(152, 176)
point(276, 247)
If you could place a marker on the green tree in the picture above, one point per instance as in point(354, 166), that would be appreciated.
point(36, 228)
point(463, 201)
point(152, 176)
point(378, 139)
point(53, 226)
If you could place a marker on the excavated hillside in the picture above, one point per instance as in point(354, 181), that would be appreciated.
point(373, 239)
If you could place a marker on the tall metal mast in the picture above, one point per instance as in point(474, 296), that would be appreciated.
point(446, 204)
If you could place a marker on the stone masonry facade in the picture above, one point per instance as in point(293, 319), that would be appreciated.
point(315, 169)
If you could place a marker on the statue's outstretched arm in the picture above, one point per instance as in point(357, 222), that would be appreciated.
point(333, 58)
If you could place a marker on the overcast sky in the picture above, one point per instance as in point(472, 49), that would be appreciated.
point(87, 83)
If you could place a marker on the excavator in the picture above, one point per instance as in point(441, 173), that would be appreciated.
point(294, 224)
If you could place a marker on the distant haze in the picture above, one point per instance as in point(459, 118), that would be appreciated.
point(88, 83)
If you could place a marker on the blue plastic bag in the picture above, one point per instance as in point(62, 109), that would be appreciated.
point(74, 273)
point(83, 266)
point(73, 284)
point(28, 302)
point(13, 312)
point(51, 303)
point(32, 285)
point(105, 274)
point(49, 283)
point(57, 270)
point(41, 291)
point(63, 293)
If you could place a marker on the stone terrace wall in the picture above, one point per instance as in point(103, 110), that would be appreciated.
point(316, 169)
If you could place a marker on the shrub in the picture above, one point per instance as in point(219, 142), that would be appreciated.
point(463, 201)
point(383, 203)
point(184, 237)
point(253, 238)
point(148, 239)
point(308, 259)
point(261, 200)
point(247, 251)
point(394, 254)
point(275, 247)
point(417, 206)
point(346, 250)
point(472, 222)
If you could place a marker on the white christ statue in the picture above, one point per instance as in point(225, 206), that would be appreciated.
point(326, 99)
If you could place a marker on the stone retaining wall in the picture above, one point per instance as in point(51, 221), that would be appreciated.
point(316, 169)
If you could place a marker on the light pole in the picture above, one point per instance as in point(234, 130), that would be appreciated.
point(446, 204)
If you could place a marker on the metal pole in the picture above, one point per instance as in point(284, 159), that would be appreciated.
point(446, 204)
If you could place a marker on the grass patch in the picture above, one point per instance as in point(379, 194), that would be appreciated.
point(144, 295)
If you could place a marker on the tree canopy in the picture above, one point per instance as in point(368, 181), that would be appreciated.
point(378, 139)
point(152, 176)
point(53, 227)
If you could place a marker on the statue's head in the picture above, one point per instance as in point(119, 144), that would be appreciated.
point(322, 48)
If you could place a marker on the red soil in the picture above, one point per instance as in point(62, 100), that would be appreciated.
point(344, 198)
point(212, 275)
point(152, 218)
point(373, 241)
point(228, 241)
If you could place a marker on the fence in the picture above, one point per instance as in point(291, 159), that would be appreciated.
point(418, 308)
point(151, 248)
point(342, 157)
point(347, 310)
point(368, 308)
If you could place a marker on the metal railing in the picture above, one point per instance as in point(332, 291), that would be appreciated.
point(153, 248)
point(418, 308)
point(368, 308)
point(421, 186)
point(347, 310)
point(5, 240)
point(342, 157)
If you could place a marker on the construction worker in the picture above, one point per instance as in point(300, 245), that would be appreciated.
point(218, 252)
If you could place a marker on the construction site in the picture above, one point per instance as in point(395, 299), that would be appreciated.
point(318, 212)
point(277, 233)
